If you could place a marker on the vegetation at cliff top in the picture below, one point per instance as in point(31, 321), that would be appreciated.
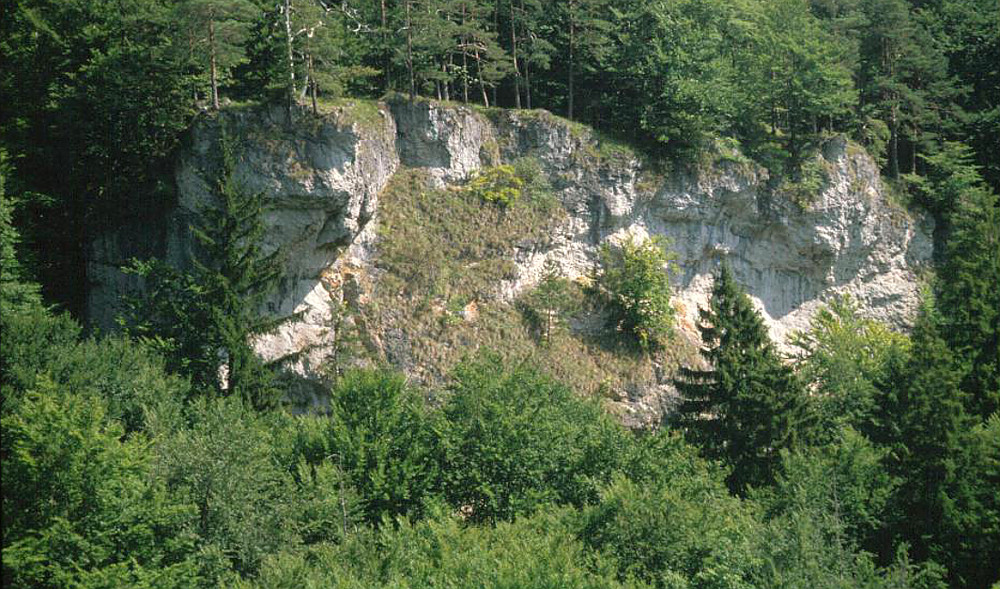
point(871, 460)
point(98, 94)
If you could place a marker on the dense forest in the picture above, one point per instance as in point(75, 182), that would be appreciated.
point(163, 456)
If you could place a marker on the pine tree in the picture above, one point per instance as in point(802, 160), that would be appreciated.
point(583, 41)
point(221, 27)
point(747, 405)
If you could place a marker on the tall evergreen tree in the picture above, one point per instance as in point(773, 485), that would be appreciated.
point(582, 40)
point(207, 319)
point(214, 32)
point(747, 405)
point(929, 423)
point(16, 291)
point(969, 299)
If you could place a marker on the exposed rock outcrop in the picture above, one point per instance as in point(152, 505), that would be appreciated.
point(324, 174)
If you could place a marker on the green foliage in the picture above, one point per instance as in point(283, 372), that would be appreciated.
point(968, 298)
point(746, 406)
point(130, 378)
point(32, 341)
point(928, 435)
point(252, 497)
point(842, 487)
point(515, 439)
point(803, 186)
point(17, 292)
point(843, 358)
point(497, 185)
point(382, 436)
point(635, 282)
point(972, 536)
point(206, 319)
point(80, 505)
point(531, 553)
point(216, 32)
point(551, 303)
point(506, 184)
point(107, 482)
point(680, 531)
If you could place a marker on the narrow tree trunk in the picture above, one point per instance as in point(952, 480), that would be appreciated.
point(387, 65)
point(482, 83)
point(447, 78)
point(526, 63)
point(312, 86)
point(291, 58)
point(572, 33)
point(409, 53)
point(465, 61)
point(527, 86)
point(496, 29)
point(893, 144)
point(213, 73)
point(513, 48)
point(465, 73)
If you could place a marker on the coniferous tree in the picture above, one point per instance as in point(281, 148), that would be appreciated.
point(207, 319)
point(929, 423)
point(747, 405)
point(16, 291)
point(582, 39)
point(221, 28)
point(969, 300)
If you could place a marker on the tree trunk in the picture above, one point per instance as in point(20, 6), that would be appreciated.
point(526, 64)
point(479, 74)
point(312, 86)
point(446, 68)
point(893, 144)
point(496, 29)
point(513, 47)
point(465, 61)
point(465, 73)
point(387, 66)
point(213, 74)
point(291, 58)
point(409, 53)
point(572, 33)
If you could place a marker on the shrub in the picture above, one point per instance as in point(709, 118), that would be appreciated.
point(498, 185)
point(515, 439)
point(551, 303)
point(635, 282)
point(380, 432)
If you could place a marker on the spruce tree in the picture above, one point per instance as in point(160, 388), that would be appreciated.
point(16, 291)
point(968, 297)
point(747, 405)
point(206, 320)
point(930, 426)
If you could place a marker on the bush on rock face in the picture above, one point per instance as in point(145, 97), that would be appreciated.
point(635, 281)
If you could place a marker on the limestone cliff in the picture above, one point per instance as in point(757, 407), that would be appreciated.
point(339, 184)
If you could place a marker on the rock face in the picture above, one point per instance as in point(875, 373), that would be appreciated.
point(323, 176)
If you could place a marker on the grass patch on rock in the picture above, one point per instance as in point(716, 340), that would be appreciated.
point(446, 264)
